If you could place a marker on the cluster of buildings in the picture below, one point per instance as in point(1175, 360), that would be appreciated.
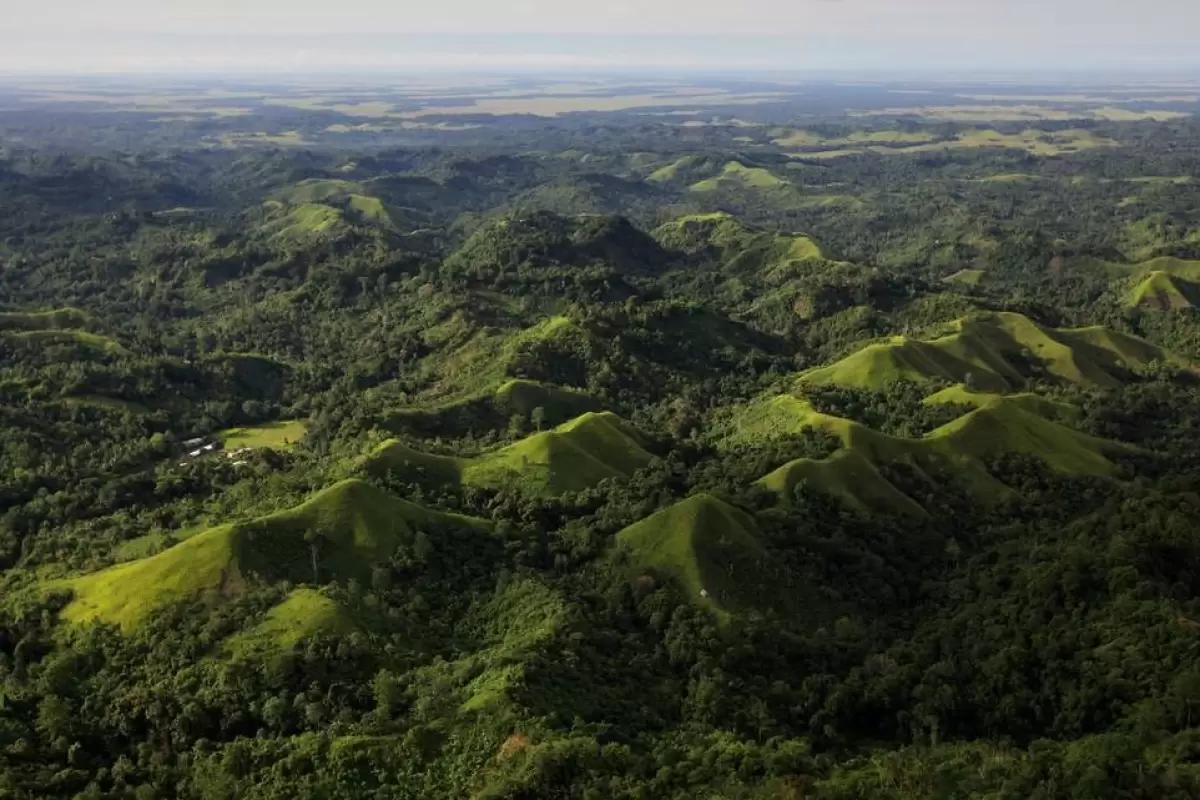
point(195, 448)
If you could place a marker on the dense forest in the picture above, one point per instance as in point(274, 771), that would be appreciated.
point(606, 458)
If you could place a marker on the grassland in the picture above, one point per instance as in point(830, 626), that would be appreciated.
point(711, 549)
point(574, 456)
point(303, 614)
point(1160, 284)
point(965, 277)
point(1022, 112)
point(348, 527)
point(1032, 141)
point(277, 435)
point(304, 221)
point(791, 137)
point(370, 209)
point(317, 190)
point(997, 352)
point(1163, 291)
point(494, 406)
point(1027, 401)
point(775, 253)
point(483, 360)
point(737, 175)
point(847, 475)
point(672, 171)
point(954, 453)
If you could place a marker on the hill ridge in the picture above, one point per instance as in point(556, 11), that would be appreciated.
point(997, 351)
point(955, 451)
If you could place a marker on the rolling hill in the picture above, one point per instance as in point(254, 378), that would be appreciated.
point(725, 239)
point(1027, 401)
point(1162, 291)
point(996, 352)
point(304, 613)
point(956, 452)
point(544, 240)
point(493, 408)
point(574, 456)
point(349, 527)
point(710, 548)
point(847, 475)
point(735, 175)
point(303, 222)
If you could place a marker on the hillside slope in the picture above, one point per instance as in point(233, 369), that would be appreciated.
point(345, 529)
point(710, 548)
point(956, 452)
point(574, 456)
point(996, 352)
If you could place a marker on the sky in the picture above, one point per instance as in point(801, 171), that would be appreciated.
point(307, 36)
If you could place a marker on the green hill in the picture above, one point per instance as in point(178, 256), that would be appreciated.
point(954, 452)
point(1162, 291)
point(350, 526)
point(492, 409)
point(996, 352)
point(710, 548)
point(476, 361)
point(303, 614)
point(369, 210)
point(395, 458)
point(574, 456)
point(726, 239)
point(1033, 403)
point(318, 190)
point(519, 246)
point(736, 175)
point(1159, 284)
point(351, 201)
point(686, 170)
point(304, 221)
point(847, 475)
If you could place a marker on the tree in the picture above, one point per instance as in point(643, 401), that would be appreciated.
point(537, 417)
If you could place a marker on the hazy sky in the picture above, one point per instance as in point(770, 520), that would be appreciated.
point(314, 35)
